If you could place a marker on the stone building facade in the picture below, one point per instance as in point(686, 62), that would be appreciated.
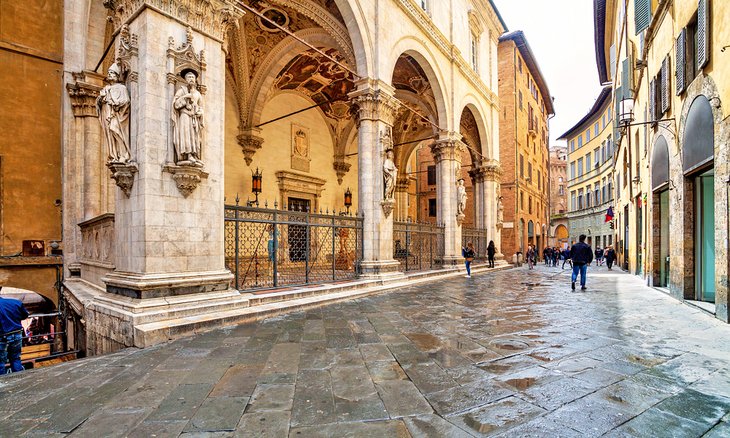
point(671, 85)
point(558, 234)
point(31, 60)
point(526, 105)
point(590, 186)
point(299, 102)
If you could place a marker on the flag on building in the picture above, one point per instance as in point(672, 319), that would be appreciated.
point(609, 214)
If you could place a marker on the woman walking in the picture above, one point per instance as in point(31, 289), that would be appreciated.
point(491, 251)
point(468, 254)
point(530, 256)
point(610, 256)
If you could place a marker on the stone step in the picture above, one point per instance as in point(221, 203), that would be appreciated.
point(286, 301)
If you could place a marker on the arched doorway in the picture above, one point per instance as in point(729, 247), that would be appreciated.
point(660, 211)
point(698, 166)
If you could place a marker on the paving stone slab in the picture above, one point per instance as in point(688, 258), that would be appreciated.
point(391, 428)
point(269, 424)
point(219, 414)
point(402, 398)
point(696, 406)
point(654, 423)
point(498, 416)
point(271, 398)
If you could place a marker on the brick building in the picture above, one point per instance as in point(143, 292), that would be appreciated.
point(526, 105)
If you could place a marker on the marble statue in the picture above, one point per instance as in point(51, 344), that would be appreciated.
point(113, 108)
point(390, 173)
point(461, 198)
point(187, 119)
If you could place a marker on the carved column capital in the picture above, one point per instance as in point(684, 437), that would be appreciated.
point(212, 18)
point(447, 147)
point(374, 100)
point(250, 142)
point(84, 92)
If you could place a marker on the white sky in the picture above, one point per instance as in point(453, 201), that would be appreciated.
point(560, 33)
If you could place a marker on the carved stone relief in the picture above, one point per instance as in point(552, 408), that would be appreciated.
point(300, 148)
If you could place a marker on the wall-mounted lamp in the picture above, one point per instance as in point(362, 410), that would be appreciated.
point(626, 111)
point(348, 200)
point(256, 179)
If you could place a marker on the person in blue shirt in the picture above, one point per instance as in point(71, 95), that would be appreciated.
point(12, 312)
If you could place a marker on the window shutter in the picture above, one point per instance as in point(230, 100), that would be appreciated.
point(664, 87)
point(625, 79)
point(642, 15)
point(652, 101)
point(703, 33)
point(681, 60)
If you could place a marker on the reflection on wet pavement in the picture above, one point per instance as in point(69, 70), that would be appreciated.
point(512, 353)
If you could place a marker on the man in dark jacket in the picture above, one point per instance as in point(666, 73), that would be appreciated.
point(12, 313)
point(582, 256)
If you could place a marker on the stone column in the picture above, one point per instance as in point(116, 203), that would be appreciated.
point(88, 172)
point(492, 221)
point(169, 223)
point(401, 198)
point(376, 109)
point(479, 196)
point(447, 154)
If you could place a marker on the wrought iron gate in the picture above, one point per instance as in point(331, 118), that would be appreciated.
point(478, 237)
point(268, 248)
point(418, 246)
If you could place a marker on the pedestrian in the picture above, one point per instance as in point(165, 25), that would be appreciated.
point(597, 253)
point(566, 258)
point(546, 255)
point(610, 256)
point(530, 256)
point(556, 256)
point(468, 254)
point(582, 256)
point(12, 312)
point(491, 251)
point(601, 252)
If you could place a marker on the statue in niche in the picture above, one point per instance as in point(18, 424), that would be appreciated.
point(461, 197)
point(187, 121)
point(301, 144)
point(390, 174)
point(113, 108)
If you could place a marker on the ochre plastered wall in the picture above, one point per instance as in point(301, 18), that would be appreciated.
point(31, 53)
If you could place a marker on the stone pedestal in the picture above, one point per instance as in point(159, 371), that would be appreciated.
point(447, 154)
point(376, 108)
point(169, 229)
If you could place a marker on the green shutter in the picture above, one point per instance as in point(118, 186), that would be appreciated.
point(642, 14)
point(625, 86)
point(703, 33)
point(652, 101)
point(680, 61)
point(664, 86)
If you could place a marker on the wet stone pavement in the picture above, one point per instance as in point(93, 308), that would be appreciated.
point(512, 353)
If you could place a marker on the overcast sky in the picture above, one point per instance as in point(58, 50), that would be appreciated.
point(560, 33)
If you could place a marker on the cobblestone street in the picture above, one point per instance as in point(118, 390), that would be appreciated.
point(513, 353)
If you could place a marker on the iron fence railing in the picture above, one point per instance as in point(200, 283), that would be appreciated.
point(478, 237)
point(269, 248)
point(418, 246)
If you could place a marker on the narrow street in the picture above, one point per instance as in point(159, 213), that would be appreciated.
point(513, 353)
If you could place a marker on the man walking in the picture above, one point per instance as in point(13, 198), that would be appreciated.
point(582, 256)
point(12, 313)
